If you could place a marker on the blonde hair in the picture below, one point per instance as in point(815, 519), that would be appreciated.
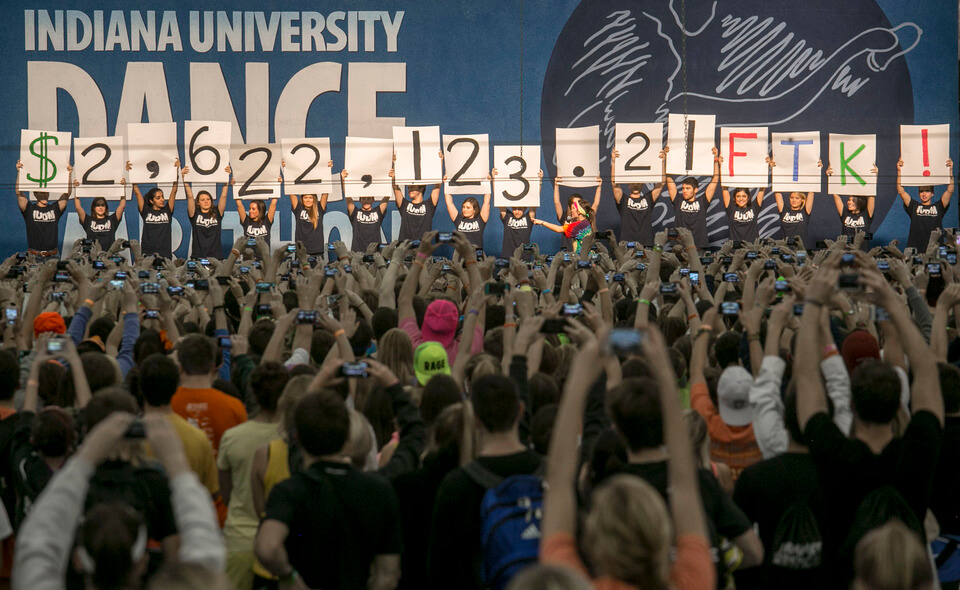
point(627, 533)
point(395, 350)
point(360, 442)
point(549, 577)
point(312, 211)
point(891, 557)
point(455, 425)
point(296, 389)
point(697, 429)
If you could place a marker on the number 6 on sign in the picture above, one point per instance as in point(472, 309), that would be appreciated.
point(99, 166)
point(256, 169)
point(207, 147)
point(517, 183)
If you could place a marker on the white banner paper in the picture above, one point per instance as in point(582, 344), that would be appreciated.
point(924, 149)
point(796, 156)
point(418, 155)
point(745, 152)
point(852, 157)
point(152, 149)
point(467, 164)
point(99, 164)
point(305, 169)
point(578, 155)
point(691, 145)
point(639, 145)
point(518, 182)
point(256, 168)
point(206, 147)
point(45, 156)
point(368, 162)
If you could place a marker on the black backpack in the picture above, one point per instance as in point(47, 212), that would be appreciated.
point(880, 506)
point(797, 542)
point(7, 490)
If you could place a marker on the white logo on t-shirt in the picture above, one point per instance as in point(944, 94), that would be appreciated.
point(930, 211)
point(257, 231)
point(100, 227)
point(690, 206)
point(419, 210)
point(743, 216)
point(854, 222)
point(44, 215)
point(372, 217)
point(514, 223)
point(468, 226)
point(207, 221)
point(638, 204)
point(793, 218)
point(156, 218)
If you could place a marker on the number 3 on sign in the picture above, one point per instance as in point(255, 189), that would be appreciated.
point(256, 170)
point(517, 183)
point(99, 166)
point(639, 146)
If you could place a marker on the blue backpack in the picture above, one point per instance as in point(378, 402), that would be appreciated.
point(510, 516)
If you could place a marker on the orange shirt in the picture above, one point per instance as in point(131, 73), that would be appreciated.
point(693, 569)
point(210, 410)
point(734, 445)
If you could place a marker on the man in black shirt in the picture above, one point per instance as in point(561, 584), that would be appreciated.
point(454, 554)
point(331, 525)
point(691, 209)
point(925, 215)
point(635, 207)
point(42, 218)
point(873, 462)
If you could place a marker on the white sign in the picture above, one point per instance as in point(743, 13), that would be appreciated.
point(206, 146)
point(796, 156)
point(256, 169)
point(99, 165)
point(745, 154)
point(691, 144)
point(418, 155)
point(368, 162)
point(518, 182)
point(467, 164)
point(578, 155)
point(305, 169)
point(639, 145)
point(924, 149)
point(152, 149)
point(45, 156)
point(852, 157)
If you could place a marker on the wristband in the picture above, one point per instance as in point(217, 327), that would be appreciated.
point(88, 302)
point(753, 337)
point(692, 315)
point(525, 288)
point(469, 262)
point(474, 311)
point(421, 255)
point(216, 307)
point(342, 258)
point(524, 282)
point(658, 248)
point(813, 302)
point(510, 316)
point(691, 247)
point(339, 333)
point(604, 290)
point(545, 291)
point(420, 262)
point(644, 301)
point(830, 348)
point(452, 287)
point(849, 312)
point(248, 309)
point(704, 330)
point(235, 252)
point(510, 325)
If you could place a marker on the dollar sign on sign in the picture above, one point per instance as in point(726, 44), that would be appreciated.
point(48, 170)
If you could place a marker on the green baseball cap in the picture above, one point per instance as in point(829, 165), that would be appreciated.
point(429, 359)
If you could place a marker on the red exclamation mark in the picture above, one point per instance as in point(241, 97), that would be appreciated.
point(926, 151)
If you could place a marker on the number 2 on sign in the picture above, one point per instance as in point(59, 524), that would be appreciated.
point(629, 165)
point(475, 145)
point(245, 190)
point(107, 152)
point(518, 175)
point(316, 160)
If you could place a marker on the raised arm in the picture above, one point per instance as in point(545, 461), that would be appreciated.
point(272, 209)
point(596, 196)
point(222, 202)
point(485, 206)
point(715, 181)
point(451, 207)
point(136, 189)
point(191, 200)
point(81, 214)
point(176, 183)
point(397, 190)
point(655, 193)
point(871, 205)
point(241, 210)
point(904, 195)
point(556, 198)
point(617, 191)
point(22, 199)
point(671, 188)
point(837, 199)
point(945, 199)
point(122, 205)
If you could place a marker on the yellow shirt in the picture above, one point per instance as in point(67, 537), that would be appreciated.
point(277, 471)
point(198, 450)
point(237, 448)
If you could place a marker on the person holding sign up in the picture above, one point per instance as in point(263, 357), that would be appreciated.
point(308, 212)
point(635, 224)
point(100, 224)
point(366, 220)
point(42, 218)
point(258, 222)
point(691, 210)
point(925, 215)
point(581, 217)
point(518, 222)
point(472, 217)
point(857, 215)
point(206, 218)
point(157, 214)
point(794, 219)
point(742, 212)
point(416, 214)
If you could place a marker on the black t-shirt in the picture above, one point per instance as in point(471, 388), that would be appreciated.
point(206, 234)
point(516, 232)
point(693, 216)
point(257, 229)
point(923, 220)
point(30, 472)
point(743, 220)
point(849, 471)
point(794, 222)
point(765, 491)
point(416, 219)
point(472, 228)
point(454, 556)
point(366, 227)
point(102, 230)
point(311, 237)
point(854, 222)
point(723, 517)
point(340, 519)
point(945, 500)
point(635, 218)
point(156, 238)
point(42, 225)
point(143, 488)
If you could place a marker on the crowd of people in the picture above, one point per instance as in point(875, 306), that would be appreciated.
point(634, 413)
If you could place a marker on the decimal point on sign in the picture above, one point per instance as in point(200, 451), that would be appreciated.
point(926, 173)
point(367, 180)
point(578, 171)
point(154, 168)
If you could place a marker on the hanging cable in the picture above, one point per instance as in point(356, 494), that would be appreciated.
point(521, 78)
point(683, 65)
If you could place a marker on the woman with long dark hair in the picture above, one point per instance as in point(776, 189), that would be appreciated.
point(206, 219)
point(856, 213)
point(471, 218)
point(99, 224)
point(258, 222)
point(157, 214)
